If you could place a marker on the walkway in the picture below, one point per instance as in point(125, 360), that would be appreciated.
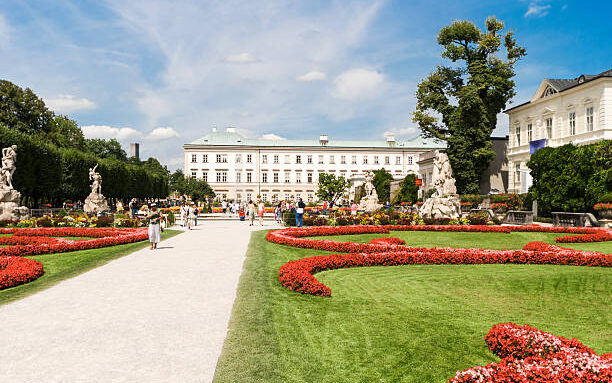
point(147, 317)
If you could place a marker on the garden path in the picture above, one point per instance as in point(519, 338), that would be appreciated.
point(147, 317)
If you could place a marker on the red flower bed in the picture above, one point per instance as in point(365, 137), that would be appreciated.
point(17, 270)
point(298, 275)
point(26, 242)
point(531, 355)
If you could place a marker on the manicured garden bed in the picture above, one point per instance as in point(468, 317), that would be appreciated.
point(38, 258)
point(408, 323)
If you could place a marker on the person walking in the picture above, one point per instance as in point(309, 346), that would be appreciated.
point(299, 212)
point(184, 212)
point(196, 213)
point(325, 208)
point(354, 208)
point(224, 206)
point(190, 216)
point(261, 208)
point(154, 218)
point(251, 212)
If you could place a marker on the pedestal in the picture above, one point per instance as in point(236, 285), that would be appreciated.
point(95, 202)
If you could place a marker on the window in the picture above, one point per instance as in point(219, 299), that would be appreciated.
point(343, 160)
point(298, 159)
point(205, 176)
point(398, 160)
point(549, 127)
point(264, 197)
point(264, 177)
point(287, 159)
point(298, 177)
point(571, 119)
point(365, 160)
point(518, 136)
point(249, 177)
point(248, 197)
point(320, 159)
point(249, 158)
point(205, 158)
point(309, 159)
point(387, 161)
point(221, 176)
point(275, 177)
point(194, 158)
point(589, 119)
point(194, 174)
point(354, 160)
point(264, 158)
point(375, 160)
point(310, 197)
point(409, 160)
point(529, 132)
point(276, 158)
point(309, 177)
point(332, 160)
point(275, 198)
point(238, 158)
point(287, 177)
point(222, 158)
point(238, 177)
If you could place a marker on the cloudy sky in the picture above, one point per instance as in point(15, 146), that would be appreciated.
point(164, 72)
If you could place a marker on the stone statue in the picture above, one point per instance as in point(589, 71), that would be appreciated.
point(9, 157)
point(369, 202)
point(95, 201)
point(444, 202)
point(9, 197)
point(96, 186)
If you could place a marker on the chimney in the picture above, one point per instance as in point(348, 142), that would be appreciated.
point(323, 139)
point(391, 140)
point(135, 150)
point(214, 129)
point(231, 130)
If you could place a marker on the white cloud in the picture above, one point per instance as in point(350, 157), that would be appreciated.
point(108, 132)
point(537, 10)
point(271, 136)
point(357, 83)
point(162, 134)
point(401, 132)
point(311, 76)
point(242, 58)
point(66, 103)
point(5, 31)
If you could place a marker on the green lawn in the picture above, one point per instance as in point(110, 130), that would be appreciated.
point(60, 266)
point(415, 323)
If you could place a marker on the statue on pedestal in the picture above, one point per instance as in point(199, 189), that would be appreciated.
point(95, 201)
point(369, 202)
point(444, 202)
point(9, 197)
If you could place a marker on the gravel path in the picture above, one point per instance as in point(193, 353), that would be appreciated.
point(157, 316)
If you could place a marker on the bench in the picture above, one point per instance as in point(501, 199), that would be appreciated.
point(517, 217)
point(574, 219)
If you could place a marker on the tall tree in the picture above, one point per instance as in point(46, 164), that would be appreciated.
point(66, 133)
point(106, 148)
point(382, 184)
point(468, 96)
point(331, 188)
point(23, 110)
point(408, 191)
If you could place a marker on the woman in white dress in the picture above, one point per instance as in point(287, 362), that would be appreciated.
point(154, 226)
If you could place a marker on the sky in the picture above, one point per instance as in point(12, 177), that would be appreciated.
point(163, 73)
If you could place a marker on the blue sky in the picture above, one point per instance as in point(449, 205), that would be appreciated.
point(164, 72)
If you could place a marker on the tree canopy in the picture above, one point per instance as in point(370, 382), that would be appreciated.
point(459, 104)
point(106, 148)
point(195, 188)
point(408, 191)
point(22, 110)
point(332, 187)
point(382, 184)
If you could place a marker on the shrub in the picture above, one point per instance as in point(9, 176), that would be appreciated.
point(171, 218)
point(62, 213)
point(479, 218)
point(44, 222)
point(105, 221)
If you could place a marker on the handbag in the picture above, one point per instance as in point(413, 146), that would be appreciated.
point(299, 210)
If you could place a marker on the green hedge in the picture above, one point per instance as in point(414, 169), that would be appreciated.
point(51, 174)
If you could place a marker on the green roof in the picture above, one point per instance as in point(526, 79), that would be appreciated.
point(235, 139)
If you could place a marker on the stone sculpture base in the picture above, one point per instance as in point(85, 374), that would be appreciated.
point(441, 207)
point(369, 204)
point(9, 206)
point(95, 202)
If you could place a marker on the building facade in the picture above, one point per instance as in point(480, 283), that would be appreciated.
point(562, 111)
point(241, 168)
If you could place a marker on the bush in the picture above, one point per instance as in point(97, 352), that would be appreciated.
point(171, 218)
point(479, 218)
point(62, 213)
point(289, 217)
point(606, 198)
point(105, 221)
point(44, 222)
point(475, 199)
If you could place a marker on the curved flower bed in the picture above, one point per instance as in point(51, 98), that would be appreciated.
point(531, 355)
point(298, 275)
point(15, 270)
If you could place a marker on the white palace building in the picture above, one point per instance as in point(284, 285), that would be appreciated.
point(243, 168)
point(562, 111)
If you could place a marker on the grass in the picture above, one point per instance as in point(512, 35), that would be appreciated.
point(60, 266)
point(414, 323)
